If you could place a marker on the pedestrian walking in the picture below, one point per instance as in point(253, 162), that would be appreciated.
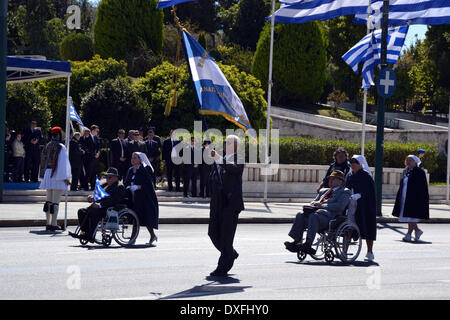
point(340, 163)
point(143, 196)
point(412, 201)
point(55, 173)
point(226, 204)
point(360, 181)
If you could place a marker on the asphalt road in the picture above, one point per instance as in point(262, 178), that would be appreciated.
point(38, 265)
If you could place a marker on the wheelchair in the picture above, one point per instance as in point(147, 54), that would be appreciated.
point(340, 240)
point(125, 235)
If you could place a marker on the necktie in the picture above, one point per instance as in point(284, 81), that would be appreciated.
point(121, 148)
point(327, 195)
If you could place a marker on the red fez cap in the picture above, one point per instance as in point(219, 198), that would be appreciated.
point(56, 130)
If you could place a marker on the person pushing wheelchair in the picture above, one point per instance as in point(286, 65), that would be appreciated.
point(329, 203)
point(89, 217)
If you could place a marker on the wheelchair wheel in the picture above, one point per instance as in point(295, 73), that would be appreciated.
point(128, 228)
point(301, 255)
point(106, 240)
point(329, 256)
point(347, 248)
point(319, 246)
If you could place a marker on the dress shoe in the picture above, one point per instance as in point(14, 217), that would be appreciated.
point(48, 228)
point(308, 249)
point(291, 246)
point(218, 273)
point(55, 228)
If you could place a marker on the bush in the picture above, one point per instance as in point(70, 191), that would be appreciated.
point(155, 87)
point(77, 47)
point(121, 25)
point(312, 151)
point(235, 55)
point(299, 62)
point(85, 75)
point(24, 104)
point(113, 104)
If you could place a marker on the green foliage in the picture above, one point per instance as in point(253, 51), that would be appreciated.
point(122, 25)
point(85, 75)
point(77, 47)
point(246, 26)
point(202, 40)
point(113, 104)
point(337, 98)
point(299, 62)
point(234, 55)
point(24, 104)
point(200, 15)
point(342, 34)
point(312, 151)
point(155, 86)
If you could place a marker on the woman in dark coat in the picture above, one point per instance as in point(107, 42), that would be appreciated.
point(340, 163)
point(412, 202)
point(145, 203)
point(360, 180)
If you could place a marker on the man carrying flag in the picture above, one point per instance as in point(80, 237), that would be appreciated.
point(89, 217)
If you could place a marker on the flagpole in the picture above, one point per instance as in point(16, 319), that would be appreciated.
point(269, 101)
point(68, 123)
point(363, 125)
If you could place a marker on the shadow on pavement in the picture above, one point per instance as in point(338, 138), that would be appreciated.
point(48, 233)
point(215, 287)
point(363, 264)
point(415, 242)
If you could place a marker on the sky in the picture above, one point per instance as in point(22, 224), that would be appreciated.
point(418, 29)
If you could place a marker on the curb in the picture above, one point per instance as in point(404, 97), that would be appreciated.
point(200, 220)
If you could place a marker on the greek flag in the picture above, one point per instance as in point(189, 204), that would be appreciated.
point(73, 115)
point(215, 95)
point(99, 192)
point(403, 12)
point(168, 3)
point(299, 11)
point(368, 50)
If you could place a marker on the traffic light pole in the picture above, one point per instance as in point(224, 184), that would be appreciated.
point(380, 115)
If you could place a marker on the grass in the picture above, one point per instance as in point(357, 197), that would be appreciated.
point(327, 112)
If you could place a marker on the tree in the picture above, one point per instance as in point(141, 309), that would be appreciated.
point(249, 21)
point(155, 87)
point(85, 75)
point(24, 104)
point(342, 34)
point(299, 62)
point(77, 47)
point(201, 15)
point(122, 25)
point(113, 104)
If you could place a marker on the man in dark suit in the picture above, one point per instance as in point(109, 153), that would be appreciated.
point(89, 217)
point(91, 144)
point(119, 154)
point(76, 160)
point(153, 144)
point(32, 140)
point(135, 145)
point(190, 169)
point(205, 170)
point(167, 150)
point(226, 203)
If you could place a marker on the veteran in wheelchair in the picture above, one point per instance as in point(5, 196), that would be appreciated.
point(108, 218)
point(329, 233)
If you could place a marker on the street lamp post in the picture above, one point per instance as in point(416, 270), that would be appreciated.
point(380, 115)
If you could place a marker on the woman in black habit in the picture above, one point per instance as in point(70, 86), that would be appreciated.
point(360, 180)
point(412, 202)
point(144, 201)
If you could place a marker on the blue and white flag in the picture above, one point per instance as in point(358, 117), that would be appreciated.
point(368, 50)
point(402, 12)
point(73, 115)
point(99, 192)
point(215, 95)
point(307, 10)
point(168, 3)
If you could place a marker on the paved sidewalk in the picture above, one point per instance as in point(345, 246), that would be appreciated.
point(30, 214)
